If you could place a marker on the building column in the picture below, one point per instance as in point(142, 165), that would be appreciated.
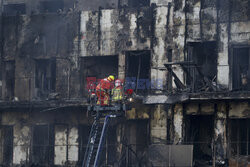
point(121, 65)
point(158, 125)
point(60, 148)
point(220, 143)
point(178, 124)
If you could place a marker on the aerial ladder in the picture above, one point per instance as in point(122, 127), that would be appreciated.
point(103, 116)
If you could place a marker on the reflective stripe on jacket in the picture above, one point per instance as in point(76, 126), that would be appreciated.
point(117, 93)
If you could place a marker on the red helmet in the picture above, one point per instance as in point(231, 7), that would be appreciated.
point(129, 92)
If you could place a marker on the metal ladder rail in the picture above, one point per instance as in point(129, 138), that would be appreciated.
point(90, 146)
point(102, 138)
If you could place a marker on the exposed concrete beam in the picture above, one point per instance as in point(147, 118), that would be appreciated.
point(220, 140)
point(158, 125)
point(185, 96)
point(165, 99)
point(47, 105)
point(178, 124)
point(121, 65)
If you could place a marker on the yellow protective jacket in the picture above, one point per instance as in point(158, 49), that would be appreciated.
point(117, 94)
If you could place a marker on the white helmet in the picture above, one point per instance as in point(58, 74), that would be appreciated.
point(118, 82)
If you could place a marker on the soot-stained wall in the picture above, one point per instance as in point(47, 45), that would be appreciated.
point(164, 26)
point(41, 37)
point(62, 140)
point(67, 37)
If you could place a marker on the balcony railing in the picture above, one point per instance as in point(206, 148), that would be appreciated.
point(195, 79)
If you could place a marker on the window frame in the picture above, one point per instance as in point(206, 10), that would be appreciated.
point(50, 144)
point(238, 137)
point(230, 60)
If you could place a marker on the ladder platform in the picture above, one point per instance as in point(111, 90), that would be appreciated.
point(110, 108)
point(96, 141)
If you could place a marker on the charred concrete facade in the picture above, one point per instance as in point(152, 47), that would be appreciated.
point(191, 58)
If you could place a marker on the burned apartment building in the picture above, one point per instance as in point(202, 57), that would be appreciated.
point(189, 61)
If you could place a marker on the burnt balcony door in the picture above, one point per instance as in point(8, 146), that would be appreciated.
point(241, 69)
point(42, 145)
point(138, 70)
point(96, 68)
point(199, 132)
point(6, 145)
point(9, 80)
point(45, 77)
point(204, 57)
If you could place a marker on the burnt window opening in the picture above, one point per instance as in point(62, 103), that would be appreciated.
point(241, 69)
point(98, 67)
point(45, 77)
point(42, 145)
point(199, 132)
point(52, 6)
point(9, 80)
point(202, 71)
point(83, 133)
point(240, 8)
point(135, 142)
point(14, 9)
point(142, 136)
point(137, 71)
point(7, 145)
point(240, 137)
point(138, 3)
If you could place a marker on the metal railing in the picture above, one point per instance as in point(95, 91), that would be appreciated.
point(194, 79)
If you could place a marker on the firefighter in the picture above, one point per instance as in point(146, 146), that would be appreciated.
point(117, 92)
point(103, 90)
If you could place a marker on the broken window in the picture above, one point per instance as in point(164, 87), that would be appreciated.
point(240, 137)
point(51, 6)
point(138, 3)
point(45, 77)
point(241, 69)
point(6, 145)
point(8, 80)
point(14, 9)
point(202, 69)
point(98, 67)
point(138, 71)
point(42, 145)
point(199, 131)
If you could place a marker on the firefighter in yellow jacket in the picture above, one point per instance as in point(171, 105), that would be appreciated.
point(117, 92)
